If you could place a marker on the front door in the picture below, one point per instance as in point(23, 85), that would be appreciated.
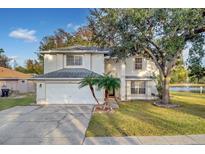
point(112, 93)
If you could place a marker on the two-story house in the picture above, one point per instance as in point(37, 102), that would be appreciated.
point(65, 68)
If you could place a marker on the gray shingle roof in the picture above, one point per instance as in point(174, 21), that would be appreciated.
point(68, 73)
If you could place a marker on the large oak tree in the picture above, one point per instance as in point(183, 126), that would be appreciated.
point(159, 34)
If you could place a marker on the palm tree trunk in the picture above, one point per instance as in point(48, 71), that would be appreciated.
point(93, 93)
point(106, 96)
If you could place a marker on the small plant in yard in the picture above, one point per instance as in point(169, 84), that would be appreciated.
point(106, 82)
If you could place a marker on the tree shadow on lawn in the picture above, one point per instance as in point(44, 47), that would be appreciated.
point(101, 125)
point(194, 109)
point(143, 118)
point(157, 125)
point(184, 120)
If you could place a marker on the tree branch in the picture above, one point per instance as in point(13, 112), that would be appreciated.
point(195, 32)
point(172, 63)
point(155, 61)
point(154, 44)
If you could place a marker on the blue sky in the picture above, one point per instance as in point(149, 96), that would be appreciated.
point(22, 29)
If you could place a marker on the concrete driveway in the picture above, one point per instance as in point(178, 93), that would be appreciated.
point(52, 124)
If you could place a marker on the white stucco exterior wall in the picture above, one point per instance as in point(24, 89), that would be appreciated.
point(148, 69)
point(94, 62)
point(97, 63)
point(123, 82)
point(112, 67)
point(41, 93)
point(87, 61)
point(50, 61)
point(59, 61)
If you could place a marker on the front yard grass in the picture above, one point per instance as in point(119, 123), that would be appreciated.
point(9, 102)
point(141, 118)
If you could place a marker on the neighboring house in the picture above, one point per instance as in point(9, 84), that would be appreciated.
point(16, 81)
point(65, 68)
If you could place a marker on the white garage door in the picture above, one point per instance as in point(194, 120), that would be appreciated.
point(68, 94)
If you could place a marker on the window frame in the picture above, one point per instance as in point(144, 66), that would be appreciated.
point(74, 60)
point(136, 64)
point(137, 89)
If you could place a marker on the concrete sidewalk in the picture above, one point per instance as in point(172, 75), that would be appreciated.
point(147, 140)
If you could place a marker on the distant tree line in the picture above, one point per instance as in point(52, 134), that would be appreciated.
point(4, 60)
point(61, 39)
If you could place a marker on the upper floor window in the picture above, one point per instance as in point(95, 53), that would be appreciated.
point(138, 87)
point(73, 60)
point(138, 63)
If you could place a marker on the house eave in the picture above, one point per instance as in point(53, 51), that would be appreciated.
point(127, 78)
point(74, 52)
point(56, 79)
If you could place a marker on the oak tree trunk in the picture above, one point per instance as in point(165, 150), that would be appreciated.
point(165, 90)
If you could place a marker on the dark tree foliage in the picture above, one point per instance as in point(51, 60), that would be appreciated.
point(4, 60)
point(196, 56)
point(159, 34)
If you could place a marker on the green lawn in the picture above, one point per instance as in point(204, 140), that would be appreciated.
point(142, 118)
point(6, 103)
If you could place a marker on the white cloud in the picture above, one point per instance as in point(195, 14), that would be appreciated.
point(74, 27)
point(24, 34)
point(69, 25)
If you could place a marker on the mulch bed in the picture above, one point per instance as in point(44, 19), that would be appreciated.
point(102, 108)
point(160, 104)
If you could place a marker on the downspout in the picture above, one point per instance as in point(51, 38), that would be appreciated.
point(91, 68)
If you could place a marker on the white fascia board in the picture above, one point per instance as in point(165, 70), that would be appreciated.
point(56, 79)
point(138, 79)
point(74, 51)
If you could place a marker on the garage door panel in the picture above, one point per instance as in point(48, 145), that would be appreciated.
point(68, 94)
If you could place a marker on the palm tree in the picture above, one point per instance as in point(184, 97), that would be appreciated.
point(89, 81)
point(109, 83)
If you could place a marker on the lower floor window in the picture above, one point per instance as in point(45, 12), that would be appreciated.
point(138, 87)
